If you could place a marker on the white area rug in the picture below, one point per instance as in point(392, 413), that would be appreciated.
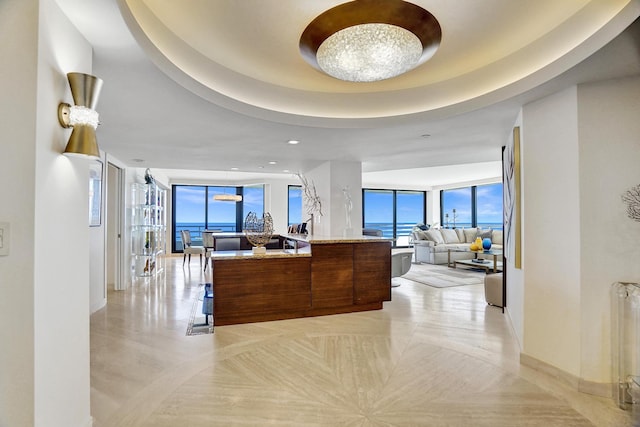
point(441, 276)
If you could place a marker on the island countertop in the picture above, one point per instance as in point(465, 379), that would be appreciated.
point(321, 275)
point(319, 240)
point(270, 254)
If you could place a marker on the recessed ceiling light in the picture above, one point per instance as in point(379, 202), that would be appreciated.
point(293, 142)
point(273, 162)
point(285, 170)
point(260, 167)
point(234, 169)
point(425, 135)
point(137, 160)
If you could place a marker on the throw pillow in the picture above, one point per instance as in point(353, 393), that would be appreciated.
point(434, 236)
point(449, 235)
point(470, 235)
point(421, 235)
point(497, 237)
point(484, 234)
point(460, 232)
point(422, 227)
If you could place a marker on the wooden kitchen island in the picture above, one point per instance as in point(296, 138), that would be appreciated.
point(323, 275)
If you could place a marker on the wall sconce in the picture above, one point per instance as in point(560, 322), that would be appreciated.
point(82, 117)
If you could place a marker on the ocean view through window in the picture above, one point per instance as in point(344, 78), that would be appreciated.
point(395, 212)
point(475, 206)
point(195, 209)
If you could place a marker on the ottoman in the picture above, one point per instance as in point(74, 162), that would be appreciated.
point(493, 289)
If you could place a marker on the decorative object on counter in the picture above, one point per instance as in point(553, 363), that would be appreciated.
point(632, 199)
point(486, 243)
point(258, 231)
point(82, 117)
point(312, 202)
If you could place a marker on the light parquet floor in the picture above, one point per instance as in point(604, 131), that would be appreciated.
point(431, 357)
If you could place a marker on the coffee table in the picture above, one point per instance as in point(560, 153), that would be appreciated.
point(487, 264)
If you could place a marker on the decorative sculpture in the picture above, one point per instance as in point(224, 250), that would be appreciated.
point(312, 202)
point(258, 231)
point(632, 199)
point(348, 207)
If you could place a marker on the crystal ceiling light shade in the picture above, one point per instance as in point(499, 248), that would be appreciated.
point(82, 117)
point(370, 40)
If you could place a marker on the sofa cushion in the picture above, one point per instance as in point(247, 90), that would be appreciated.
point(453, 246)
point(460, 232)
point(434, 236)
point(449, 235)
point(419, 235)
point(470, 234)
point(497, 237)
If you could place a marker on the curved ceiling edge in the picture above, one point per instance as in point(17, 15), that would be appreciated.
point(291, 106)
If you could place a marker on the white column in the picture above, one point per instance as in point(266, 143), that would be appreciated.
point(331, 179)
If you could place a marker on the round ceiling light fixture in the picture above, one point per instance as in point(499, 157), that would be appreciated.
point(370, 40)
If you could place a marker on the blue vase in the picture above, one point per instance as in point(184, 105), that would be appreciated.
point(486, 243)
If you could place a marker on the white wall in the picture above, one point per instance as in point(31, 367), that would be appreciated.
point(551, 254)
point(580, 154)
point(61, 261)
point(608, 129)
point(44, 292)
point(18, 23)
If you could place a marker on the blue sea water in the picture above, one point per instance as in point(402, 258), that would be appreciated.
point(403, 230)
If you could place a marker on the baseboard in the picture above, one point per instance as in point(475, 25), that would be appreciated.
point(577, 383)
point(597, 389)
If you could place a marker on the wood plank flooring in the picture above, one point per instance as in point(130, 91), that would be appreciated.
point(431, 357)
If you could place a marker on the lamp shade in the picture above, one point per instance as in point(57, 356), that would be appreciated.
point(82, 142)
point(85, 89)
point(228, 197)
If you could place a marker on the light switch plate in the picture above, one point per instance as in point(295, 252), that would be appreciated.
point(5, 238)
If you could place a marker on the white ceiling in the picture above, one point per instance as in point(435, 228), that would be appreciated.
point(214, 84)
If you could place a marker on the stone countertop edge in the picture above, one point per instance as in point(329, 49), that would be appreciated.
point(335, 239)
point(270, 254)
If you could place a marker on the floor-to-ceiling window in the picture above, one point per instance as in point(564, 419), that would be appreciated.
point(253, 200)
point(294, 206)
point(409, 212)
point(474, 206)
point(489, 206)
point(395, 212)
point(456, 208)
point(221, 214)
point(189, 205)
point(195, 209)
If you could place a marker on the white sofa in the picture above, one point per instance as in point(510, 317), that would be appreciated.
point(431, 246)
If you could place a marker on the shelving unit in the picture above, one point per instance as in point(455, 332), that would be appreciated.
point(148, 229)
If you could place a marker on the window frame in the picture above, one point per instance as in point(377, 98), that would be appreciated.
point(395, 209)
